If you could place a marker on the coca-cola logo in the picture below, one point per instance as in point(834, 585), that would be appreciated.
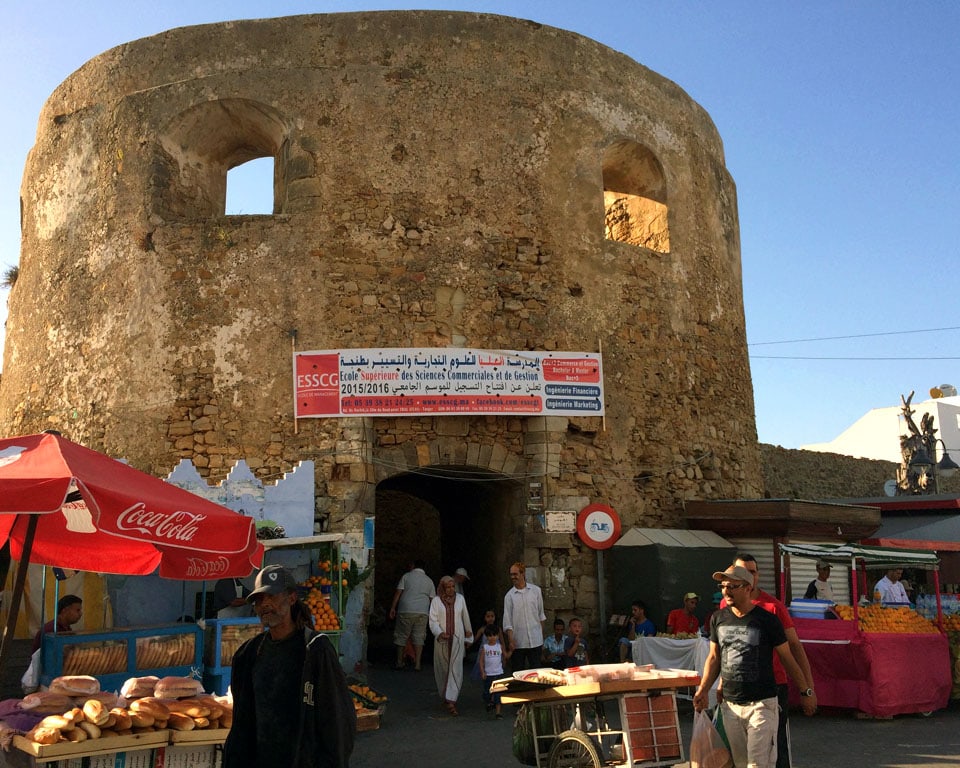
point(198, 568)
point(171, 526)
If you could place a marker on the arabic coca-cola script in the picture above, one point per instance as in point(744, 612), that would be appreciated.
point(197, 568)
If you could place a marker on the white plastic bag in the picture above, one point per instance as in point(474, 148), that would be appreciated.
point(31, 678)
point(707, 749)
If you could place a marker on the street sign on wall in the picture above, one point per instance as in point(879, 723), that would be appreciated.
point(598, 526)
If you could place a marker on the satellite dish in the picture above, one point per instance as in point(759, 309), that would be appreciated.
point(890, 488)
point(936, 392)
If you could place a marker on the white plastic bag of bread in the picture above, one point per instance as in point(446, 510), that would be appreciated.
point(177, 687)
point(75, 685)
point(138, 687)
point(47, 702)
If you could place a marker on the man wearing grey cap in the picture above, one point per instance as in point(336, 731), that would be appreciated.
point(291, 704)
point(743, 640)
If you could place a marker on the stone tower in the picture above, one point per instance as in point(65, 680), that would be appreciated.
point(440, 179)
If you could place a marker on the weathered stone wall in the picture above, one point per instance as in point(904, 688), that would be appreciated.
point(439, 181)
point(793, 474)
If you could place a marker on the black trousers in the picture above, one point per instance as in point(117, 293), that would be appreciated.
point(526, 658)
point(783, 728)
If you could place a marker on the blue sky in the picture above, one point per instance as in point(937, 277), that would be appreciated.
point(841, 124)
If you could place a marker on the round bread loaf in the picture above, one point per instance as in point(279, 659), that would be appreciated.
point(151, 706)
point(122, 719)
point(95, 712)
point(181, 722)
point(44, 735)
point(91, 729)
point(75, 734)
point(56, 721)
point(140, 720)
point(74, 715)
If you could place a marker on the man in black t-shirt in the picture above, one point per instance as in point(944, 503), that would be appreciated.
point(743, 639)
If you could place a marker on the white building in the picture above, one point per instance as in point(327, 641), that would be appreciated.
point(876, 435)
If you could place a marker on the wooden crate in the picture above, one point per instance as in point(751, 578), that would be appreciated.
point(368, 721)
point(67, 749)
point(199, 736)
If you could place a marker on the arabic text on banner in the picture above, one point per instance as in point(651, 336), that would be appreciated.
point(415, 382)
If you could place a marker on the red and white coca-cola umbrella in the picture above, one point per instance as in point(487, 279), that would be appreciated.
point(64, 505)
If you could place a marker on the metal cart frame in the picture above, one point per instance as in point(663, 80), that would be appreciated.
point(625, 723)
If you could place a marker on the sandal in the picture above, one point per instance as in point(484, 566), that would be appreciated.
point(452, 709)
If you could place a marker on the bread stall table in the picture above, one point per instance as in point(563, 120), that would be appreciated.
point(609, 714)
point(138, 750)
point(880, 660)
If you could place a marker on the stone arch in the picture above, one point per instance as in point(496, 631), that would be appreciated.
point(434, 504)
point(635, 197)
point(202, 143)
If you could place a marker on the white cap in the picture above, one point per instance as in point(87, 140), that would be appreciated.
point(462, 572)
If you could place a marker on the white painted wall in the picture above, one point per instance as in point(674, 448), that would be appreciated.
point(876, 435)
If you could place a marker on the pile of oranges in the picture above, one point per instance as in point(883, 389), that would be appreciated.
point(900, 620)
point(324, 617)
point(952, 622)
point(331, 568)
point(367, 694)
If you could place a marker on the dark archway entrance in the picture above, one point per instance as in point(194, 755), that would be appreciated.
point(450, 517)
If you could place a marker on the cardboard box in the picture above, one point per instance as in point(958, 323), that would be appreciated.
point(189, 756)
point(139, 759)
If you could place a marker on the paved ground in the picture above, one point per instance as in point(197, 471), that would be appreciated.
point(416, 733)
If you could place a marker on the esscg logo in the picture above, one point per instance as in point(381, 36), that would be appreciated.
point(317, 387)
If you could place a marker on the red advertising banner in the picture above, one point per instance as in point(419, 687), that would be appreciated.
point(417, 381)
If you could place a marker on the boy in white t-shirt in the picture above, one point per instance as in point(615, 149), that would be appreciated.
point(491, 657)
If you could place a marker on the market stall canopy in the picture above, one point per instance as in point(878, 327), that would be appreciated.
point(90, 512)
point(793, 518)
point(929, 532)
point(671, 537)
point(871, 557)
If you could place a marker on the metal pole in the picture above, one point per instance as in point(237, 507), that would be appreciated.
point(602, 603)
point(18, 586)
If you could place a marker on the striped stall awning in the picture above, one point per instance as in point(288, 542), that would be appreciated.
point(873, 557)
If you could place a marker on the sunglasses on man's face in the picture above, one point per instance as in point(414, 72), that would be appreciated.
point(731, 587)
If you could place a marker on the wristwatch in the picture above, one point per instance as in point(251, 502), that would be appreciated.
point(808, 692)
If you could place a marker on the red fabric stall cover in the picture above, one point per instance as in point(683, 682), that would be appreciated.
point(881, 674)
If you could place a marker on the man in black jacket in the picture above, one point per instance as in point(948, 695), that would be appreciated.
point(291, 704)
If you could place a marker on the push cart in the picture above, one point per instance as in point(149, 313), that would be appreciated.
point(604, 723)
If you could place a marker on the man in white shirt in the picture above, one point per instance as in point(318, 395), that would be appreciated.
point(411, 606)
point(819, 588)
point(523, 619)
point(890, 587)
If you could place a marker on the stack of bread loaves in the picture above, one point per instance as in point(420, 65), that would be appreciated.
point(153, 704)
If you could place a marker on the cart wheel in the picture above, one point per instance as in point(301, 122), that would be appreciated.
point(573, 749)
